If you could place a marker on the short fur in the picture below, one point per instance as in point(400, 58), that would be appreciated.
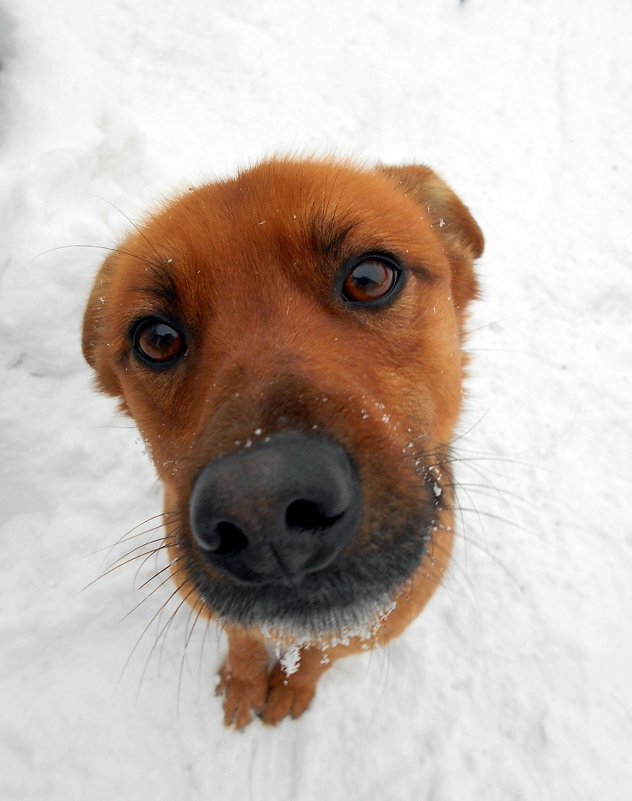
point(248, 268)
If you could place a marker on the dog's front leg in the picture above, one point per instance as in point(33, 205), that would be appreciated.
point(293, 681)
point(243, 678)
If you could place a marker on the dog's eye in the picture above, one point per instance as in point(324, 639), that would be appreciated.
point(158, 342)
point(369, 280)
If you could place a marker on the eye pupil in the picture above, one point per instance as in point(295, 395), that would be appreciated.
point(370, 280)
point(158, 341)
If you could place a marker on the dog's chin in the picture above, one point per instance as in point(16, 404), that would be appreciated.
point(349, 597)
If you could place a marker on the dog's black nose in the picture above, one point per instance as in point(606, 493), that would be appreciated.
point(278, 510)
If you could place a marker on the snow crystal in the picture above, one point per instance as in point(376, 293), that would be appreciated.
point(291, 660)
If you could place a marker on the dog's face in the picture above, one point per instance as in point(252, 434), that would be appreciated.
point(289, 345)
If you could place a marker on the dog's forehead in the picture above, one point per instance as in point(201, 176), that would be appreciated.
point(273, 217)
point(245, 244)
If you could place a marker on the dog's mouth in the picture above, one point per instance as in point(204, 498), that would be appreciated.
point(348, 596)
point(283, 537)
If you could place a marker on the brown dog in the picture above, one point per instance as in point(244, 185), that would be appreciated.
point(289, 345)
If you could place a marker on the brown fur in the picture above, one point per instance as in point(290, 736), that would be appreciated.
point(248, 265)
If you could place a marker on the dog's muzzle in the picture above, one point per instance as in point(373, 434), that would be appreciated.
point(277, 511)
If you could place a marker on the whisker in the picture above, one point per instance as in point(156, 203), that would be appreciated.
point(156, 588)
point(96, 247)
point(199, 603)
point(464, 537)
point(504, 567)
point(488, 482)
point(457, 572)
point(500, 518)
point(163, 633)
point(197, 617)
point(455, 459)
point(127, 562)
point(133, 224)
point(129, 532)
point(204, 637)
point(138, 547)
point(497, 322)
point(169, 541)
point(115, 428)
point(151, 578)
point(470, 429)
point(493, 492)
point(110, 548)
point(528, 354)
point(166, 517)
point(146, 629)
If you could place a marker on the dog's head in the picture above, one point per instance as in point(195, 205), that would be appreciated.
point(289, 345)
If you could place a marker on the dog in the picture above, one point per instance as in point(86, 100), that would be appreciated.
point(289, 344)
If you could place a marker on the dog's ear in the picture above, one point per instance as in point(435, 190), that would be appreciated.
point(450, 217)
point(448, 213)
point(94, 318)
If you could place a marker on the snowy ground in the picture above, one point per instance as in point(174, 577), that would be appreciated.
point(516, 681)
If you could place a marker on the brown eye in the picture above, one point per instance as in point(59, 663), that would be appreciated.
point(369, 280)
point(158, 342)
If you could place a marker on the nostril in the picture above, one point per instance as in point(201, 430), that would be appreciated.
point(283, 508)
point(308, 516)
point(227, 538)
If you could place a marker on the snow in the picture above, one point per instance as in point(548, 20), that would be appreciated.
point(291, 661)
point(515, 682)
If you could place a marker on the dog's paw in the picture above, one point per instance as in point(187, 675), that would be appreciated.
point(287, 695)
point(244, 697)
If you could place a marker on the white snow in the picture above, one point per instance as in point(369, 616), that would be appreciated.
point(516, 682)
point(291, 660)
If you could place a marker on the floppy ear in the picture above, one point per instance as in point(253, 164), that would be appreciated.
point(94, 318)
point(450, 218)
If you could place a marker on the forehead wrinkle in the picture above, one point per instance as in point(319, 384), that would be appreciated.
point(158, 282)
point(338, 241)
point(329, 236)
